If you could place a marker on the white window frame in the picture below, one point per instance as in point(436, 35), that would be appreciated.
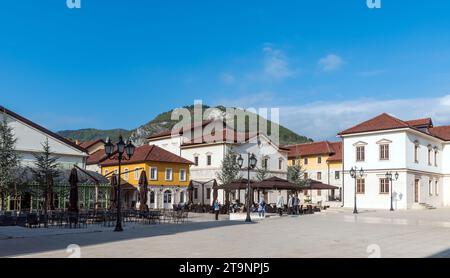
point(151, 172)
point(185, 177)
point(171, 174)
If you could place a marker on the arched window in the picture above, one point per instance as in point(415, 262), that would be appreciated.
point(152, 197)
point(167, 197)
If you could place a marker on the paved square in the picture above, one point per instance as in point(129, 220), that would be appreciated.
point(334, 233)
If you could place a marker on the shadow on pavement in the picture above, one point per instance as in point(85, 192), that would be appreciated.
point(24, 246)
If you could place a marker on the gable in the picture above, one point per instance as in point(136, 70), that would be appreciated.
point(30, 137)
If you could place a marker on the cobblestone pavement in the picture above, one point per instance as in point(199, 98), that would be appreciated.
point(334, 233)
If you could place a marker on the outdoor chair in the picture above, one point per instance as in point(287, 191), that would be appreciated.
point(32, 220)
point(43, 220)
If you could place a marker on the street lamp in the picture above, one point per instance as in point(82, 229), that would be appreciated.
point(355, 174)
point(122, 148)
point(391, 179)
point(251, 164)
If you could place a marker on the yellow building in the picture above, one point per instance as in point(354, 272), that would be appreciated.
point(321, 161)
point(167, 175)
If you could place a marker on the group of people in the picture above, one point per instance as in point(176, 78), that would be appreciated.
point(293, 206)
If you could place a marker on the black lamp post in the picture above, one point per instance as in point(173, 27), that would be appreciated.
point(391, 178)
point(355, 174)
point(251, 164)
point(122, 147)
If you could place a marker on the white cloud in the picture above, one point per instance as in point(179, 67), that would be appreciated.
point(323, 120)
point(330, 62)
point(227, 78)
point(276, 63)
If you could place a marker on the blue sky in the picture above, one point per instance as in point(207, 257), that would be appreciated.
point(326, 64)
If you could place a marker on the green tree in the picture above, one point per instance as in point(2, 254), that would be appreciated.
point(45, 170)
point(229, 172)
point(296, 174)
point(9, 160)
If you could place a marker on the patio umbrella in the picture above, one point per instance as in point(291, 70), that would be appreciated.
point(143, 191)
point(113, 194)
point(73, 197)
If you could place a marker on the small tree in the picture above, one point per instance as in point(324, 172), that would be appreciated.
point(9, 161)
point(45, 170)
point(296, 174)
point(229, 172)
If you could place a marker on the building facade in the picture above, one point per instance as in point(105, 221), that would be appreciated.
point(167, 174)
point(416, 150)
point(321, 161)
point(207, 155)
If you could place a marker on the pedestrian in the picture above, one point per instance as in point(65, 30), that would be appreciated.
point(290, 204)
point(216, 209)
point(296, 204)
point(280, 203)
point(262, 208)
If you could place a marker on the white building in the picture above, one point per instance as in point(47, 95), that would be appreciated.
point(208, 154)
point(30, 137)
point(416, 150)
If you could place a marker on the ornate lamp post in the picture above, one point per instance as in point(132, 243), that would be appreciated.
point(391, 178)
point(122, 147)
point(356, 174)
point(251, 164)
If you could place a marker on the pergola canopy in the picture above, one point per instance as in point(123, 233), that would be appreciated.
point(275, 183)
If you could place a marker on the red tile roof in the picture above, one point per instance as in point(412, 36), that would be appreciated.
point(222, 136)
point(96, 157)
point(420, 123)
point(337, 155)
point(307, 149)
point(442, 132)
point(381, 122)
point(86, 145)
point(149, 153)
point(181, 130)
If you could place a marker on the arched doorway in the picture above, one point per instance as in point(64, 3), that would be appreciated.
point(167, 199)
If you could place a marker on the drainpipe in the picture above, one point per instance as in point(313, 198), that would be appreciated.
point(343, 176)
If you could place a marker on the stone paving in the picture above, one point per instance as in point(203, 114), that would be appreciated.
point(334, 233)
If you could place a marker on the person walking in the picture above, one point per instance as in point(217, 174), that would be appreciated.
point(296, 204)
point(280, 203)
point(290, 204)
point(216, 209)
point(262, 208)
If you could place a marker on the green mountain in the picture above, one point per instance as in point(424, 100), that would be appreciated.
point(162, 123)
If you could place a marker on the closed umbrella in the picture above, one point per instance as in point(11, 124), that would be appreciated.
point(73, 197)
point(113, 195)
point(143, 191)
point(191, 192)
point(215, 191)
